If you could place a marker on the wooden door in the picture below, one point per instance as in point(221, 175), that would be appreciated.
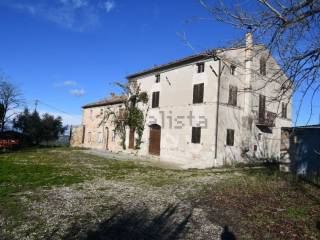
point(154, 140)
point(107, 138)
point(131, 138)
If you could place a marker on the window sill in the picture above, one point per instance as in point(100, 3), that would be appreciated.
point(194, 143)
point(229, 105)
point(198, 103)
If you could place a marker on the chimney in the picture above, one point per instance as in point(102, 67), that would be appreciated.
point(248, 72)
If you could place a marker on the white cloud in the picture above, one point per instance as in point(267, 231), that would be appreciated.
point(76, 15)
point(109, 5)
point(77, 92)
point(70, 83)
point(75, 3)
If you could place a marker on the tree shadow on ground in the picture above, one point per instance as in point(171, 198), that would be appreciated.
point(227, 234)
point(136, 224)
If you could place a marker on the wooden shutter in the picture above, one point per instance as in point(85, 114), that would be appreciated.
point(131, 138)
point(157, 78)
point(83, 133)
point(198, 90)
point(155, 99)
point(284, 110)
point(196, 135)
point(263, 66)
point(155, 140)
point(233, 95)
point(200, 67)
point(232, 69)
point(230, 137)
point(262, 108)
point(201, 89)
point(195, 93)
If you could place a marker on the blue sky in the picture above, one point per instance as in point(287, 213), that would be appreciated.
point(69, 52)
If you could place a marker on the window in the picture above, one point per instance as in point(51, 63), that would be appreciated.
point(262, 108)
point(99, 137)
point(198, 93)
point(155, 99)
point(233, 70)
point(230, 137)
point(101, 111)
point(196, 135)
point(157, 78)
point(89, 137)
point(121, 113)
point(91, 114)
point(200, 67)
point(84, 133)
point(113, 137)
point(233, 95)
point(263, 66)
point(284, 110)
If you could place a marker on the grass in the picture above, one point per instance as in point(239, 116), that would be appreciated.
point(256, 203)
point(265, 204)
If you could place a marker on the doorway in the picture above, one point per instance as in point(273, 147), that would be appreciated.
point(131, 138)
point(154, 139)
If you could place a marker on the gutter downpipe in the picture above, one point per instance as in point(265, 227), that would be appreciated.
point(217, 111)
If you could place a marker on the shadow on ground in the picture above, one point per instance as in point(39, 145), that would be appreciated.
point(227, 234)
point(136, 224)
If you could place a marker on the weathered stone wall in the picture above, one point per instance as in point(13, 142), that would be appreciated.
point(77, 136)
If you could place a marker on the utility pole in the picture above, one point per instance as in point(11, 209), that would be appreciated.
point(36, 102)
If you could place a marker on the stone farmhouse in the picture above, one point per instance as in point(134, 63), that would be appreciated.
point(210, 109)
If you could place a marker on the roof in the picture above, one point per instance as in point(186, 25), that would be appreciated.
point(316, 126)
point(107, 101)
point(190, 59)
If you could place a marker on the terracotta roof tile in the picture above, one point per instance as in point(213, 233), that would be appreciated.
point(107, 101)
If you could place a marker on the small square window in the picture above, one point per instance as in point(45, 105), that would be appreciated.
point(230, 137)
point(196, 135)
point(200, 67)
point(233, 70)
point(157, 78)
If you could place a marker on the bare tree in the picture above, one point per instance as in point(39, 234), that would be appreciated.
point(10, 100)
point(290, 29)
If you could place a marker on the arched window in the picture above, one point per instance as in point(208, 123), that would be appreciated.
point(263, 66)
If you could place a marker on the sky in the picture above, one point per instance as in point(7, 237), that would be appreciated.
point(66, 53)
